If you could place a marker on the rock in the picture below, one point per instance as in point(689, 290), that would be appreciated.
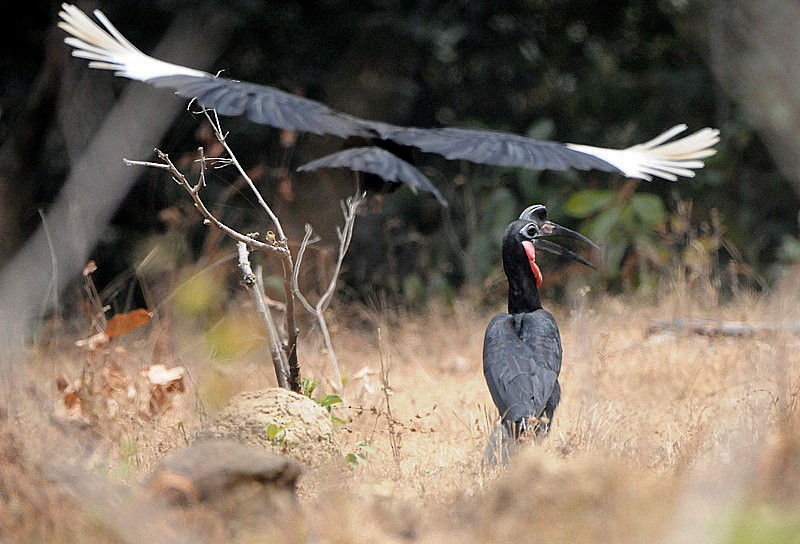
point(279, 421)
point(208, 470)
point(226, 490)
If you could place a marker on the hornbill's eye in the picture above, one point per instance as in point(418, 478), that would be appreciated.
point(530, 231)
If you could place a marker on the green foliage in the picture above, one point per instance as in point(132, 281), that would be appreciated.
point(588, 202)
point(764, 525)
point(307, 388)
point(359, 455)
point(607, 77)
point(199, 292)
point(624, 222)
point(276, 435)
point(643, 241)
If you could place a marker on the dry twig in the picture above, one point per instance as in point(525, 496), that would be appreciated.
point(255, 287)
point(345, 234)
point(394, 434)
point(716, 327)
point(275, 243)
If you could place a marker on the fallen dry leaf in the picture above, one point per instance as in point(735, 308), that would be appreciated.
point(72, 400)
point(160, 375)
point(165, 384)
point(121, 324)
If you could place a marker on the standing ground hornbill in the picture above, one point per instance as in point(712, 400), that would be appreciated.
point(522, 348)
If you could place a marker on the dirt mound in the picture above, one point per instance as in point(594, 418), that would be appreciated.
point(280, 421)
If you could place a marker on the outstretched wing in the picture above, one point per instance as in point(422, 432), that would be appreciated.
point(498, 148)
point(264, 105)
point(658, 157)
point(106, 48)
point(521, 363)
point(374, 160)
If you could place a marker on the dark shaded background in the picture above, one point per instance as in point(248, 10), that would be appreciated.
point(603, 73)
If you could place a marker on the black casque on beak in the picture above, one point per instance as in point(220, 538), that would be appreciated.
point(537, 214)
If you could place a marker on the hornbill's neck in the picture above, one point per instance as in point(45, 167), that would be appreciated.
point(523, 295)
point(520, 242)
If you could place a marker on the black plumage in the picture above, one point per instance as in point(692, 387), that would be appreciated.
point(521, 362)
point(522, 348)
point(374, 160)
point(267, 105)
point(106, 48)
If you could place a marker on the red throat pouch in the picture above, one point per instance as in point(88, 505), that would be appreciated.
point(530, 251)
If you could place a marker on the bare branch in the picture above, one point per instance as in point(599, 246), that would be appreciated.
point(295, 276)
point(394, 435)
point(286, 364)
point(251, 283)
point(326, 336)
point(160, 165)
point(194, 192)
point(349, 210)
point(345, 234)
point(222, 140)
point(717, 327)
point(290, 348)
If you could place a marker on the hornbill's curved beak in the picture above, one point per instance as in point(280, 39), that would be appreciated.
point(538, 215)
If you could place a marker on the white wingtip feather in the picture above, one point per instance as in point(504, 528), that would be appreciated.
point(108, 49)
point(655, 158)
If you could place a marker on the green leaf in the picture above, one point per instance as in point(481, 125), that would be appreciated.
point(275, 432)
point(588, 202)
point(649, 208)
point(615, 252)
point(627, 219)
point(330, 400)
point(307, 387)
point(605, 222)
point(355, 459)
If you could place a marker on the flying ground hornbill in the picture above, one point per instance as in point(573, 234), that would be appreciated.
point(522, 348)
point(106, 48)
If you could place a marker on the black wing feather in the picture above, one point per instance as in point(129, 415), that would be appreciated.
point(271, 106)
point(521, 363)
point(374, 160)
point(265, 105)
point(497, 148)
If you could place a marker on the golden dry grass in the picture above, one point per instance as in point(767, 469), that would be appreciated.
point(659, 438)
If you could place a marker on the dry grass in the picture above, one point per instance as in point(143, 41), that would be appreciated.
point(662, 437)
